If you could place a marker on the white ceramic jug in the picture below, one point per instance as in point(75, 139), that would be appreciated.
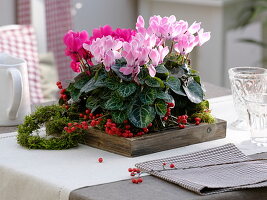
point(14, 90)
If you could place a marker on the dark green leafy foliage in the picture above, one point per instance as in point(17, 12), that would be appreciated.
point(141, 115)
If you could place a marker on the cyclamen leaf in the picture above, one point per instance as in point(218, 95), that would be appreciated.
point(165, 96)
point(162, 69)
point(119, 116)
point(81, 80)
point(74, 92)
point(126, 90)
point(92, 103)
point(112, 84)
point(160, 107)
point(175, 85)
point(193, 91)
point(148, 96)
point(141, 115)
point(154, 82)
point(114, 103)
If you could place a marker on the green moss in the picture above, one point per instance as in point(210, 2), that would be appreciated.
point(205, 117)
point(56, 118)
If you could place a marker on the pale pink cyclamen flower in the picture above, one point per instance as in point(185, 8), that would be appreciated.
point(105, 50)
point(203, 37)
point(156, 56)
point(136, 53)
point(185, 43)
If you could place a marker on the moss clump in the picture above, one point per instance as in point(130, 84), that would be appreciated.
point(56, 117)
point(205, 117)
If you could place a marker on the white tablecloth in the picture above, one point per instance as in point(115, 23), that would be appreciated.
point(52, 175)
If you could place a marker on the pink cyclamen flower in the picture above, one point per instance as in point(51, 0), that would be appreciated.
point(74, 40)
point(156, 56)
point(203, 37)
point(185, 43)
point(105, 50)
point(194, 28)
point(124, 35)
point(75, 66)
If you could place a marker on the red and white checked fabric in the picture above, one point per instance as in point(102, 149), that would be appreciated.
point(20, 41)
point(23, 11)
point(58, 22)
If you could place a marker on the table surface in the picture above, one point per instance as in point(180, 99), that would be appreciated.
point(155, 188)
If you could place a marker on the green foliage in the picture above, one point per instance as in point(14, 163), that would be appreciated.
point(114, 103)
point(160, 107)
point(193, 91)
point(119, 116)
point(141, 115)
point(148, 95)
point(175, 85)
point(154, 82)
point(126, 89)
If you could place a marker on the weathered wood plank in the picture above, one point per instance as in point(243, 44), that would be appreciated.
point(155, 142)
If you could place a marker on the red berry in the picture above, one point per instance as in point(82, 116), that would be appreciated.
point(145, 130)
point(197, 119)
point(87, 111)
point(132, 174)
point(139, 180)
point(59, 86)
point(197, 122)
point(85, 117)
point(100, 160)
point(65, 128)
point(170, 104)
point(93, 123)
point(172, 165)
point(186, 116)
point(164, 163)
point(138, 170)
point(149, 125)
point(134, 181)
point(130, 134)
point(181, 126)
point(134, 169)
point(73, 129)
point(69, 124)
point(125, 121)
point(127, 126)
point(184, 121)
point(62, 91)
point(165, 118)
point(80, 115)
point(130, 170)
point(67, 107)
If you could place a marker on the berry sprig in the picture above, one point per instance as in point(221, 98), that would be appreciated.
point(182, 121)
point(197, 120)
point(72, 127)
point(135, 173)
point(170, 105)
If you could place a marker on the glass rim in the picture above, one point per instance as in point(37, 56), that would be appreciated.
point(253, 101)
point(232, 73)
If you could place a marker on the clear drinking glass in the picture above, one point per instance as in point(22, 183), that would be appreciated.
point(257, 114)
point(245, 81)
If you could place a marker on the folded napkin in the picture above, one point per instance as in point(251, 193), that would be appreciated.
point(210, 171)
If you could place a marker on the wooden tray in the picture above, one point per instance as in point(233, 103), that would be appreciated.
point(158, 141)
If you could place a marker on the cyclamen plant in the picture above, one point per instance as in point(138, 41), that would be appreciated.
point(133, 75)
point(130, 82)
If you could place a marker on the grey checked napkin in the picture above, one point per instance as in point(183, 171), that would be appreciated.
point(210, 171)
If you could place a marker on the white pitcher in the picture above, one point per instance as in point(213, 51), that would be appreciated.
point(14, 90)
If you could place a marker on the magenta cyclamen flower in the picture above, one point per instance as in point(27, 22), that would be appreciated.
point(74, 40)
point(75, 66)
point(105, 50)
point(124, 35)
